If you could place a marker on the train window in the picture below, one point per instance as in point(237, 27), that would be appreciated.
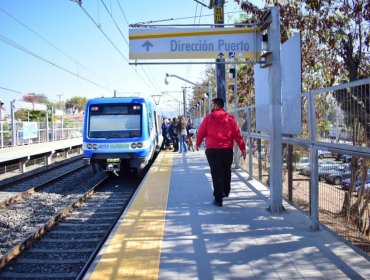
point(150, 122)
point(115, 121)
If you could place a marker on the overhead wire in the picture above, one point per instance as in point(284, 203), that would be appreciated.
point(195, 19)
point(107, 37)
point(124, 16)
point(188, 66)
point(12, 90)
point(155, 86)
point(51, 44)
point(15, 45)
point(111, 16)
point(175, 19)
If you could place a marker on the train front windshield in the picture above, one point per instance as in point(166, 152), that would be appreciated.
point(115, 121)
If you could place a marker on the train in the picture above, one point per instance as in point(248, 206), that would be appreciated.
point(121, 134)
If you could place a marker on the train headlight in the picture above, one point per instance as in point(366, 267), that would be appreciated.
point(133, 145)
point(139, 145)
point(89, 146)
point(95, 146)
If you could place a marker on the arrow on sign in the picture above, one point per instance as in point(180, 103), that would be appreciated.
point(147, 45)
point(221, 55)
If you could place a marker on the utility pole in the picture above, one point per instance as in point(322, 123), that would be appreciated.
point(218, 9)
point(184, 100)
point(60, 97)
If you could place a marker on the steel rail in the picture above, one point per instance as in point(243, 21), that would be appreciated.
point(26, 242)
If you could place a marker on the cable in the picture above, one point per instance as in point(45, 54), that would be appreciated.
point(51, 44)
point(171, 19)
point(123, 13)
point(15, 45)
point(155, 86)
point(110, 14)
point(106, 36)
point(195, 18)
point(8, 89)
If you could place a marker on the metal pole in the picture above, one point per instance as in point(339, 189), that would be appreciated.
point(52, 123)
point(1, 123)
point(62, 129)
point(209, 97)
point(220, 67)
point(184, 99)
point(250, 159)
point(236, 150)
point(314, 185)
point(274, 80)
point(204, 107)
point(47, 124)
point(235, 89)
point(14, 138)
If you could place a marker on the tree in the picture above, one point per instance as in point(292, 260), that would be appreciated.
point(23, 114)
point(76, 104)
point(36, 98)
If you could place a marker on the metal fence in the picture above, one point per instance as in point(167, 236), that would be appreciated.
point(27, 133)
point(326, 167)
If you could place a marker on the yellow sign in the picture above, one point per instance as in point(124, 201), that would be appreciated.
point(219, 14)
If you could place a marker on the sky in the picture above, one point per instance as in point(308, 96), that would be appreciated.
point(62, 50)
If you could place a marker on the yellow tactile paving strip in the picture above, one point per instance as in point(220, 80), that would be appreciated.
point(134, 250)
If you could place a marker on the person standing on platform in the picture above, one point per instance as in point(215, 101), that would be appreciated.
point(174, 134)
point(183, 133)
point(220, 130)
point(190, 129)
point(166, 134)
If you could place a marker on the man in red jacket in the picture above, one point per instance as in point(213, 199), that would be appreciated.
point(220, 130)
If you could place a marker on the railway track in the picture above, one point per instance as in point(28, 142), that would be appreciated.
point(68, 247)
point(24, 212)
point(39, 175)
point(12, 194)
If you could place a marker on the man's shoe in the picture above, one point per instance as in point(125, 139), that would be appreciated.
point(217, 203)
point(226, 194)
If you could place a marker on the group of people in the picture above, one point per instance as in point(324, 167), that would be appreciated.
point(220, 130)
point(178, 133)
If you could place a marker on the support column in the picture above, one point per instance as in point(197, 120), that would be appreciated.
point(22, 164)
point(220, 62)
point(274, 80)
point(48, 158)
point(66, 151)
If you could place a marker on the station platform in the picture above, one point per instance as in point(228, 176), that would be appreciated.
point(171, 230)
point(19, 152)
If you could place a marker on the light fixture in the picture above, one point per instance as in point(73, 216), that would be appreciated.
point(265, 40)
point(265, 59)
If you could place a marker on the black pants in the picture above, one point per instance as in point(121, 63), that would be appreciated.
point(175, 141)
point(220, 161)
